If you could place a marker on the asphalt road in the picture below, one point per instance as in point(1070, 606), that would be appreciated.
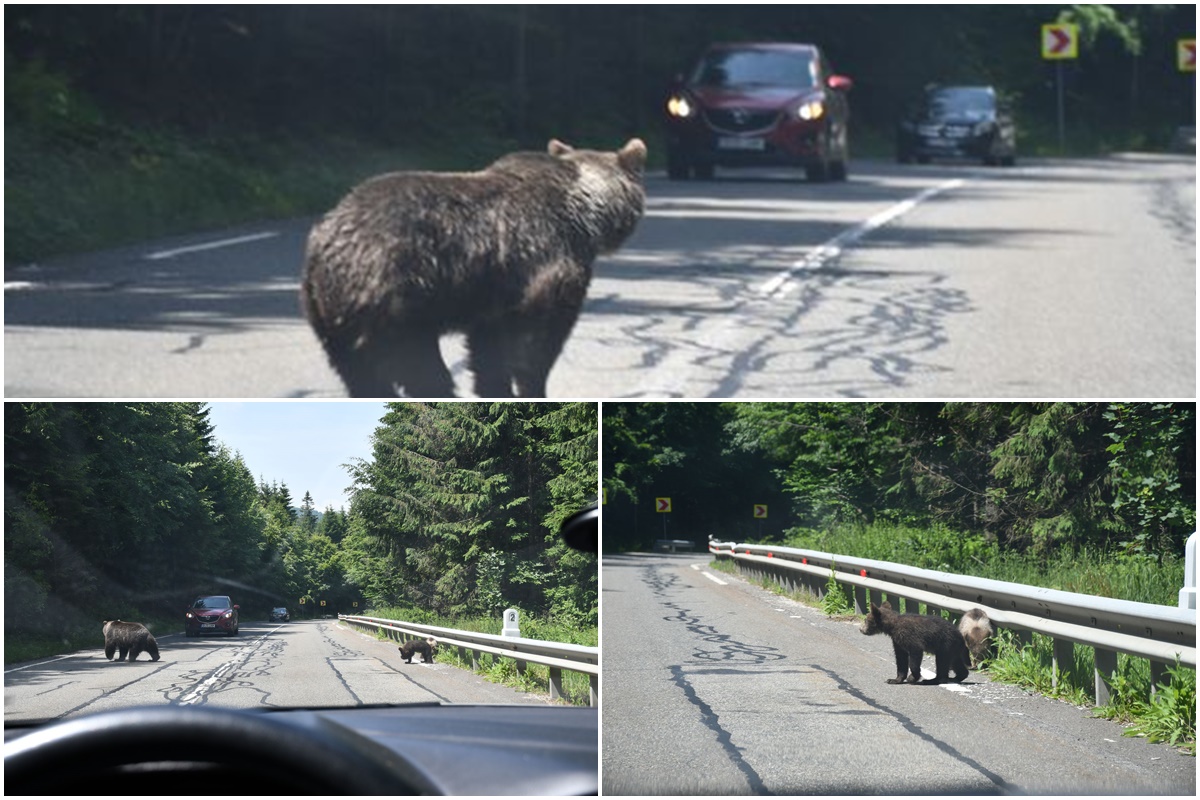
point(1054, 278)
point(714, 686)
point(316, 663)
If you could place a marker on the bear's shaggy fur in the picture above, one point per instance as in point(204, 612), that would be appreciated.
point(503, 255)
point(916, 634)
point(128, 637)
point(976, 630)
point(427, 649)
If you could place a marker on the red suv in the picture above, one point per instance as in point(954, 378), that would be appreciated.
point(211, 614)
point(759, 104)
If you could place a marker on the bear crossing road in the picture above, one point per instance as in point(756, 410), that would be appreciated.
point(503, 255)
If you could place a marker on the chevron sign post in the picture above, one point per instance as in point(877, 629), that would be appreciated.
point(1060, 42)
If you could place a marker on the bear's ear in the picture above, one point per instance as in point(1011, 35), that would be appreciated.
point(887, 604)
point(632, 157)
point(558, 149)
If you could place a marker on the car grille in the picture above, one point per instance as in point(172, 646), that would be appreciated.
point(208, 617)
point(740, 120)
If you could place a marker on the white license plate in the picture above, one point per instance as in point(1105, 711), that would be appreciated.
point(741, 143)
point(208, 624)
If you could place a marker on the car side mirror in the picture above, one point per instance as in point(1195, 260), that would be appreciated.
point(581, 529)
point(237, 608)
point(840, 83)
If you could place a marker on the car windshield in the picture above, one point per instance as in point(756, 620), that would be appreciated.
point(961, 100)
point(731, 68)
point(443, 515)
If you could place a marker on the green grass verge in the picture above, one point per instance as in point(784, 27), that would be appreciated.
point(111, 186)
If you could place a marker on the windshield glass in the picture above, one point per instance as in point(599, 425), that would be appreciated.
point(728, 68)
point(961, 100)
point(121, 518)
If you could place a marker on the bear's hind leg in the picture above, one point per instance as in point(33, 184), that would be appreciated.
point(407, 357)
point(914, 665)
point(415, 360)
point(490, 356)
point(901, 665)
point(359, 368)
point(539, 347)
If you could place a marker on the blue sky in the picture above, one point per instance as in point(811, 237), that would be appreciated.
point(300, 443)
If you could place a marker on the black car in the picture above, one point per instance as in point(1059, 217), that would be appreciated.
point(280, 614)
point(770, 103)
point(958, 122)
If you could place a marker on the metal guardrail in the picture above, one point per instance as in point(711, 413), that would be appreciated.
point(1161, 634)
point(555, 656)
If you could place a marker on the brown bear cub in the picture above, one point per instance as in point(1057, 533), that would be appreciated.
point(128, 637)
point(913, 635)
point(503, 255)
point(427, 649)
point(976, 630)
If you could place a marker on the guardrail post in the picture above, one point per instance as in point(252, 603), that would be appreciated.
point(1063, 660)
point(1158, 674)
point(1187, 595)
point(512, 628)
point(556, 684)
point(860, 600)
point(1106, 665)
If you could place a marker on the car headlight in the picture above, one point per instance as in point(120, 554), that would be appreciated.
point(814, 109)
point(678, 106)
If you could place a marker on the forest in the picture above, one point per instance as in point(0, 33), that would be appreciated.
point(940, 485)
point(130, 120)
point(130, 510)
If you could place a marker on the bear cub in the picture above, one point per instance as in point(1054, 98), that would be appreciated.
point(426, 648)
point(128, 637)
point(976, 630)
point(913, 635)
point(503, 255)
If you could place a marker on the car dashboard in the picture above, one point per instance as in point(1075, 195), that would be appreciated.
point(412, 749)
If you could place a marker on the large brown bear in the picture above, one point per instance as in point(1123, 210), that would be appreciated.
point(503, 255)
point(128, 637)
point(426, 648)
point(913, 635)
